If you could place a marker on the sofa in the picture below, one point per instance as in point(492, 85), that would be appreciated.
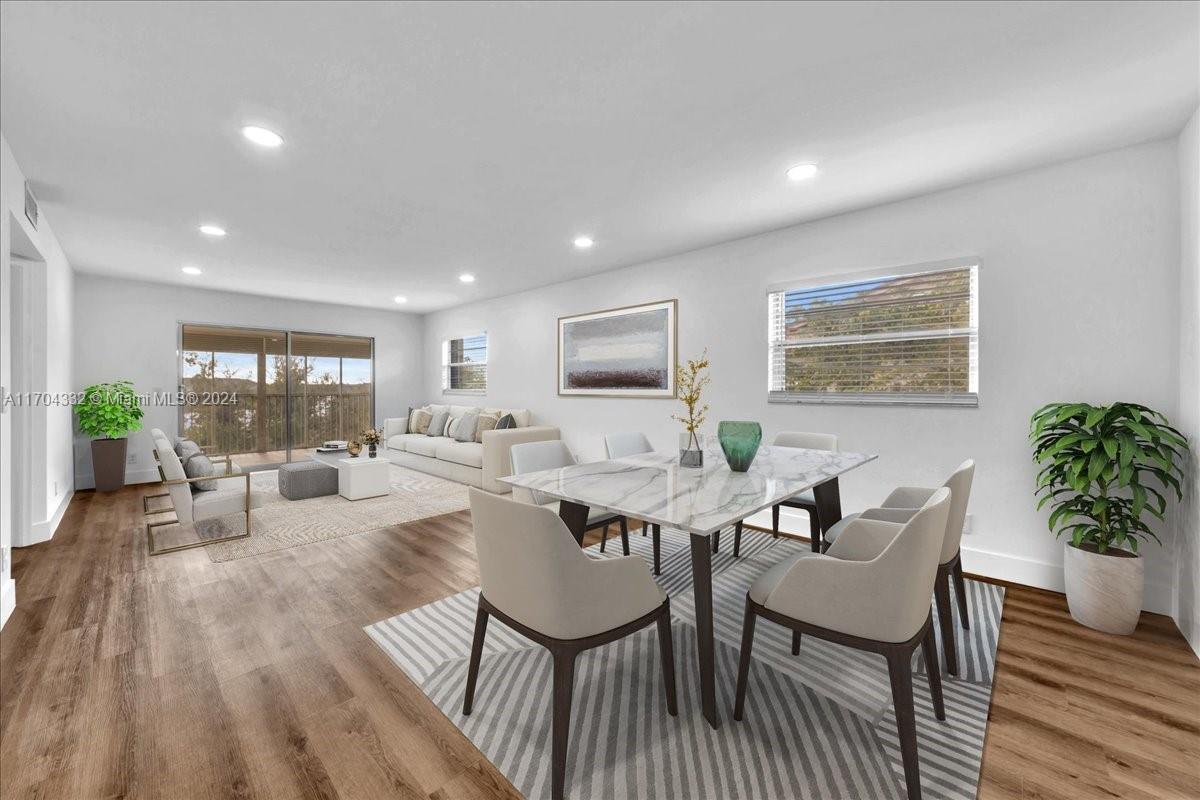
point(476, 463)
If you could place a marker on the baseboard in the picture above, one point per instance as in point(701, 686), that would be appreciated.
point(86, 480)
point(44, 531)
point(8, 600)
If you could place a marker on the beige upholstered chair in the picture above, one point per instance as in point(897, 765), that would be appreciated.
point(232, 497)
point(537, 456)
point(899, 507)
point(805, 500)
point(620, 445)
point(871, 592)
point(535, 579)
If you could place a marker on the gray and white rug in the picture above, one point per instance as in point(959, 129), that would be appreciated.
point(817, 725)
point(281, 523)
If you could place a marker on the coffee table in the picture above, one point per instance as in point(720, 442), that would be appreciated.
point(359, 478)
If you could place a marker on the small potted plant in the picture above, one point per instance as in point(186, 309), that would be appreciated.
point(691, 380)
point(1104, 469)
point(109, 412)
point(371, 437)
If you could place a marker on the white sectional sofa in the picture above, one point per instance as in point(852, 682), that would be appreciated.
point(474, 463)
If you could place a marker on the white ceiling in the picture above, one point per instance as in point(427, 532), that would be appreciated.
point(423, 141)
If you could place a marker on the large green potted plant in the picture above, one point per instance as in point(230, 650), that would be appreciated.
point(108, 412)
point(1104, 473)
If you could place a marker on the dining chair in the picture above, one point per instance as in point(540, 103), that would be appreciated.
point(620, 445)
point(899, 507)
point(535, 579)
point(551, 454)
point(805, 499)
point(870, 591)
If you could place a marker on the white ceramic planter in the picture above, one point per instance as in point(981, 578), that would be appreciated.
point(1104, 591)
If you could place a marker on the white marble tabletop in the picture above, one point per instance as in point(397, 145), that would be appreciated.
point(653, 487)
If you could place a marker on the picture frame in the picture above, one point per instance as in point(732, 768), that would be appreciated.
point(629, 351)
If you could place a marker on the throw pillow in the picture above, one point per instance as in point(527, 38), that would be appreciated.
point(506, 422)
point(420, 421)
point(486, 422)
point(437, 425)
point(186, 448)
point(452, 427)
point(199, 466)
point(466, 427)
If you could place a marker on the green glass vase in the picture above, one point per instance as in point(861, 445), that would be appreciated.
point(739, 441)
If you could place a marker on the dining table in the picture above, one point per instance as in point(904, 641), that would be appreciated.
point(701, 501)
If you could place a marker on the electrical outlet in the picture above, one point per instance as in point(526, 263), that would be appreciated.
point(969, 524)
point(56, 488)
point(132, 458)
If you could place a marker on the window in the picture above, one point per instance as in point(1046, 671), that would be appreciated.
point(464, 364)
point(894, 338)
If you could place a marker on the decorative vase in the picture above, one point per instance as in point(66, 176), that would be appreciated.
point(739, 441)
point(1104, 590)
point(354, 448)
point(691, 450)
point(371, 450)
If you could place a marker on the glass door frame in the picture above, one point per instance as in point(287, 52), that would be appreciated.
point(289, 443)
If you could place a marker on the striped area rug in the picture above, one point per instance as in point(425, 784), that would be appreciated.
point(819, 725)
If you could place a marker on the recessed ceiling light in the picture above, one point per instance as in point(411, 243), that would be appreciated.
point(400, 298)
point(583, 242)
point(801, 172)
point(191, 270)
point(212, 230)
point(262, 136)
point(467, 277)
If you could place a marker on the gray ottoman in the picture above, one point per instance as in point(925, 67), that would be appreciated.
point(306, 479)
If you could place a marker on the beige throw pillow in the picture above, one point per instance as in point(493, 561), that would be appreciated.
point(420, 421)
point(486, 422)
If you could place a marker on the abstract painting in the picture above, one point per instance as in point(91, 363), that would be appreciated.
point(621, 352)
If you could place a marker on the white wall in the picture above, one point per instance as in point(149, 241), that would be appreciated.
point(50, 484)
point(1187, 536)
point(129, 329)
point(1078, 301)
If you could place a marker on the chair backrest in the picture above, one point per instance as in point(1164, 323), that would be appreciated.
point(619, 445)
point(172, 470)
point(908, 566)
point(534, 457)
point(809, 441)
point(959, 485)
point(529, 564)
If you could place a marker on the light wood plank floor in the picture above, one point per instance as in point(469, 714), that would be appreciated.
point(123, 676)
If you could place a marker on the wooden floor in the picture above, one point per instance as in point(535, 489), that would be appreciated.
point(123, 676)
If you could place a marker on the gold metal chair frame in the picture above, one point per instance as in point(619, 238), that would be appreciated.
point(150, 526)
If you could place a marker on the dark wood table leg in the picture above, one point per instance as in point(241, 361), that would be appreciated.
point(702, 580)
point(829, 507)
point(575, 515)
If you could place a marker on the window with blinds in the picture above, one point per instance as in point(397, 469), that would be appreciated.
point(900, 339)
point(464, 364)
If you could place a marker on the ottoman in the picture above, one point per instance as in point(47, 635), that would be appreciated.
point(305, 479)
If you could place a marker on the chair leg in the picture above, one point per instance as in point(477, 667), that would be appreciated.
point(716, 542)
point(564, 685)
point(814, 530)
point(624, 536)
point(603, 537)
point(481, 621)
point(657, 529)
point(737, 538)
point(941, 595)
point(934, 671)
point(744, 664)
point(666, 650)
point(795, 643)
point(960, 593)
point(900, 672)
point(775, 522)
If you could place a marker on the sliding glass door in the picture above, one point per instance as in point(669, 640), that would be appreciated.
point(272, 396)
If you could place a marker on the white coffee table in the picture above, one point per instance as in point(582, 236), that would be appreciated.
point(359, 478)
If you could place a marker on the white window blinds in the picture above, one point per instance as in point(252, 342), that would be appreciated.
point(464, 364)
point(908, 338)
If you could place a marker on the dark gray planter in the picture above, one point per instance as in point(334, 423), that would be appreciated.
point(108, 463)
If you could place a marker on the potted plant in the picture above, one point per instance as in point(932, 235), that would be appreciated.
point(108, 412)
point(1104, 470)
point(691, 380)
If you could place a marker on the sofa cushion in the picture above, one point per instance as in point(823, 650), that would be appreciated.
point(230, 498)
point(486, 422)
point(466, 427)
point(437, 427)
point(419, 424)
point(401, 442)
point(506, 422)
point(425, 447)
point(469, 454)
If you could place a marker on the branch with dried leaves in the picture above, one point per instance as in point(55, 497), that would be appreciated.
point(691, 380)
